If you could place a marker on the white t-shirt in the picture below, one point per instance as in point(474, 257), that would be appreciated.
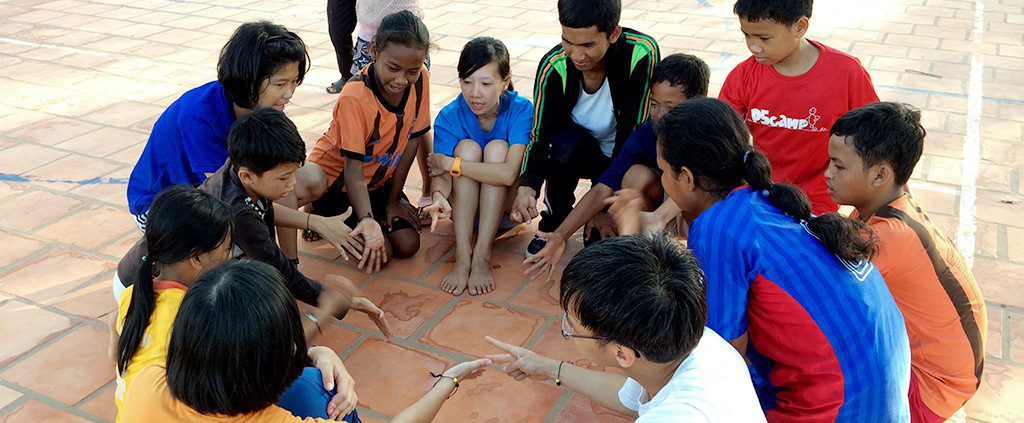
point(596, 113)
point(711, 385)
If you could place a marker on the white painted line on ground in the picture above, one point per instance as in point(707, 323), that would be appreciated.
point(53, 46)
point(968, 228)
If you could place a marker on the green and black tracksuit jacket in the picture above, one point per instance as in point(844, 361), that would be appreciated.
point(630, 65)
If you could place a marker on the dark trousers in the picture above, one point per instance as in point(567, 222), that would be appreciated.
point(341, 22)
point(575, 155)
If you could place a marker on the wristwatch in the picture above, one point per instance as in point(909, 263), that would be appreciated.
point(456, 170)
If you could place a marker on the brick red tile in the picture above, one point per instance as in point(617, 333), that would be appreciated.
point(52, 274)
point(493, 396)
point(120, 248)
point(432, 249)
point(54, 130)
point(124, 114)
point(90, 227)
point(23, 157)
point(30, 210)
point(405, 305)
point(102, 405)
point(35, 411)
point(463, 329)
point(13, 248)
point(104, 141)
point(35, 327)
point(91, 302)
point(406, 368)
point(320, 270)
point(71, 171)
point(582, 410)
point(541, 294)
point(82, 359)
point(553, 345)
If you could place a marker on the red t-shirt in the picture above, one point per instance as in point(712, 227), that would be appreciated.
point(790, 116)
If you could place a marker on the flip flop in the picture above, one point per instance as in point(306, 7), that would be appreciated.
point(335, 87)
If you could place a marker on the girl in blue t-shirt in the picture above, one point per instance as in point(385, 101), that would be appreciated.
point(260, 66)
point(479, 142)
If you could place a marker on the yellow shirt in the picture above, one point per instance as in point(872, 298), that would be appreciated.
point(153, 347)
point(149, 400)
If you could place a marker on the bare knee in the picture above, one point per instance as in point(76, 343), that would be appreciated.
point(468, 150)
point(311, 183)
point(404, 242)
point(645, 179)
point(495, 151)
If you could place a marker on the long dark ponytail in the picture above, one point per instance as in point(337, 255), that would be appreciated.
point(182, 223)
point(710, 139)
point(482, 51)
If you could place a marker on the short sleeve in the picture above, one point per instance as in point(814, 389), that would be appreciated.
point(733, 91)
point(448, 130)
point(862, 90)
point(520, 122)
point(629, 394)
point(726, 269)
point(206, 151)
point(351, 128)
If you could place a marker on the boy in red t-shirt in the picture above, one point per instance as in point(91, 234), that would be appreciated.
point(791, 91)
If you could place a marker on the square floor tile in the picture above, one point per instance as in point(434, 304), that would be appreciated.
point(13, 247)
point(432, 249)
point(31, 210)
point(91, 227)
point(552, 344)
point(52, 274)
point(121, 247)
point(541, 294)
point(124, 114)
point(103, 142)
point(998, 396)
point(91, 302)
point(21, 158)
point(71, 171)
point(582, 410)
point(390, 388)
point(54, 130)
point(405, 305)
point(26, 327)
point(496, 397)
point(35, 411)
point(82, 359)
point(111, 188)
point(323, 270)
point(463, 329)
point(102, 405)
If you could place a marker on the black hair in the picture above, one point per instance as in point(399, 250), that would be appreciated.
point(786, 12)
point(265, 139)
point(255, 51)
point(183, 223)
point(403, 28)
point(604, 14)
point(885, 132)
point(646, 294)
point(237, 342)
point(710, 139)
point(482, 51)
point(684, 70)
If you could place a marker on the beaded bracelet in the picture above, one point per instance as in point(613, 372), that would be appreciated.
point(558, 379)
point(454, 379)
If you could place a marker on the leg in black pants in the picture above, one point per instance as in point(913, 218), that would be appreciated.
point(341, 22)
point(576, 155)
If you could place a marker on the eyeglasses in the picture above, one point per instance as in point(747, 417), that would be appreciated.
point(567, 330)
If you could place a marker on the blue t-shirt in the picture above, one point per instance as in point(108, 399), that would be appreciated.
point(640, 148)
point(456, 122)
point(188, 141)
point(826, 340)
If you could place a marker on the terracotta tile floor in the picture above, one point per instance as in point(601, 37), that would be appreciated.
point(83, 81)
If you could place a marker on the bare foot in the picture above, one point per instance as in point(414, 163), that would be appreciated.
point(455, 282)
point(481, 280)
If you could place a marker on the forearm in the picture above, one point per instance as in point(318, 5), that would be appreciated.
point(427, 407)
point(502, 174)
point(589, 206)
point(355, 185)
point(443, 183)
point(402, 172)
point(666, 212)
point(600, 387)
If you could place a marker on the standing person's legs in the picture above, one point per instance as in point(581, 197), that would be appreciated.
point(341, 22)
point(492, 198)
point(307, 397)
point(466, 196)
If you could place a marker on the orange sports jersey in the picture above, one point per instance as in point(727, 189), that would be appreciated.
point(367, 128)
point(941, 304)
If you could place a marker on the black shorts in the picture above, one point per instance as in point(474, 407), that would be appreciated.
point(335, 202)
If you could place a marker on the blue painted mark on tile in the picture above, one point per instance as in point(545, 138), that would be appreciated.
point(11, 177)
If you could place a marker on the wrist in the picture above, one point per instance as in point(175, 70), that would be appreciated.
point(550, 367)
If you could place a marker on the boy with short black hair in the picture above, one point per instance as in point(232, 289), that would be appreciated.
point(265, 151)
point(873, 150)
point(591, 92)
point(677, 78)
point(637, 304)
point(791, 90)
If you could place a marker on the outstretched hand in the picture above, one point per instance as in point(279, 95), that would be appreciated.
point(469, 369)
point(547, 258)
point(521, 363)
point(364, 305)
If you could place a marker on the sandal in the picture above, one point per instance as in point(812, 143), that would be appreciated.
point(335, 87)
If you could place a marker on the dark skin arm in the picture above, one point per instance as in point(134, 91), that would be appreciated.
point(368, 228)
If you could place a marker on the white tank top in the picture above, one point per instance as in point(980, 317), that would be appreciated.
point(596, 113)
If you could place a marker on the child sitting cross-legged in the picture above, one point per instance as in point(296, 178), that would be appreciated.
point(873, 151)
point(265, 152)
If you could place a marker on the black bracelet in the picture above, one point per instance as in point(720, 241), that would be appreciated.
point(368, 216)
point(308, 215)
point(558, 379)
point(454, 379)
